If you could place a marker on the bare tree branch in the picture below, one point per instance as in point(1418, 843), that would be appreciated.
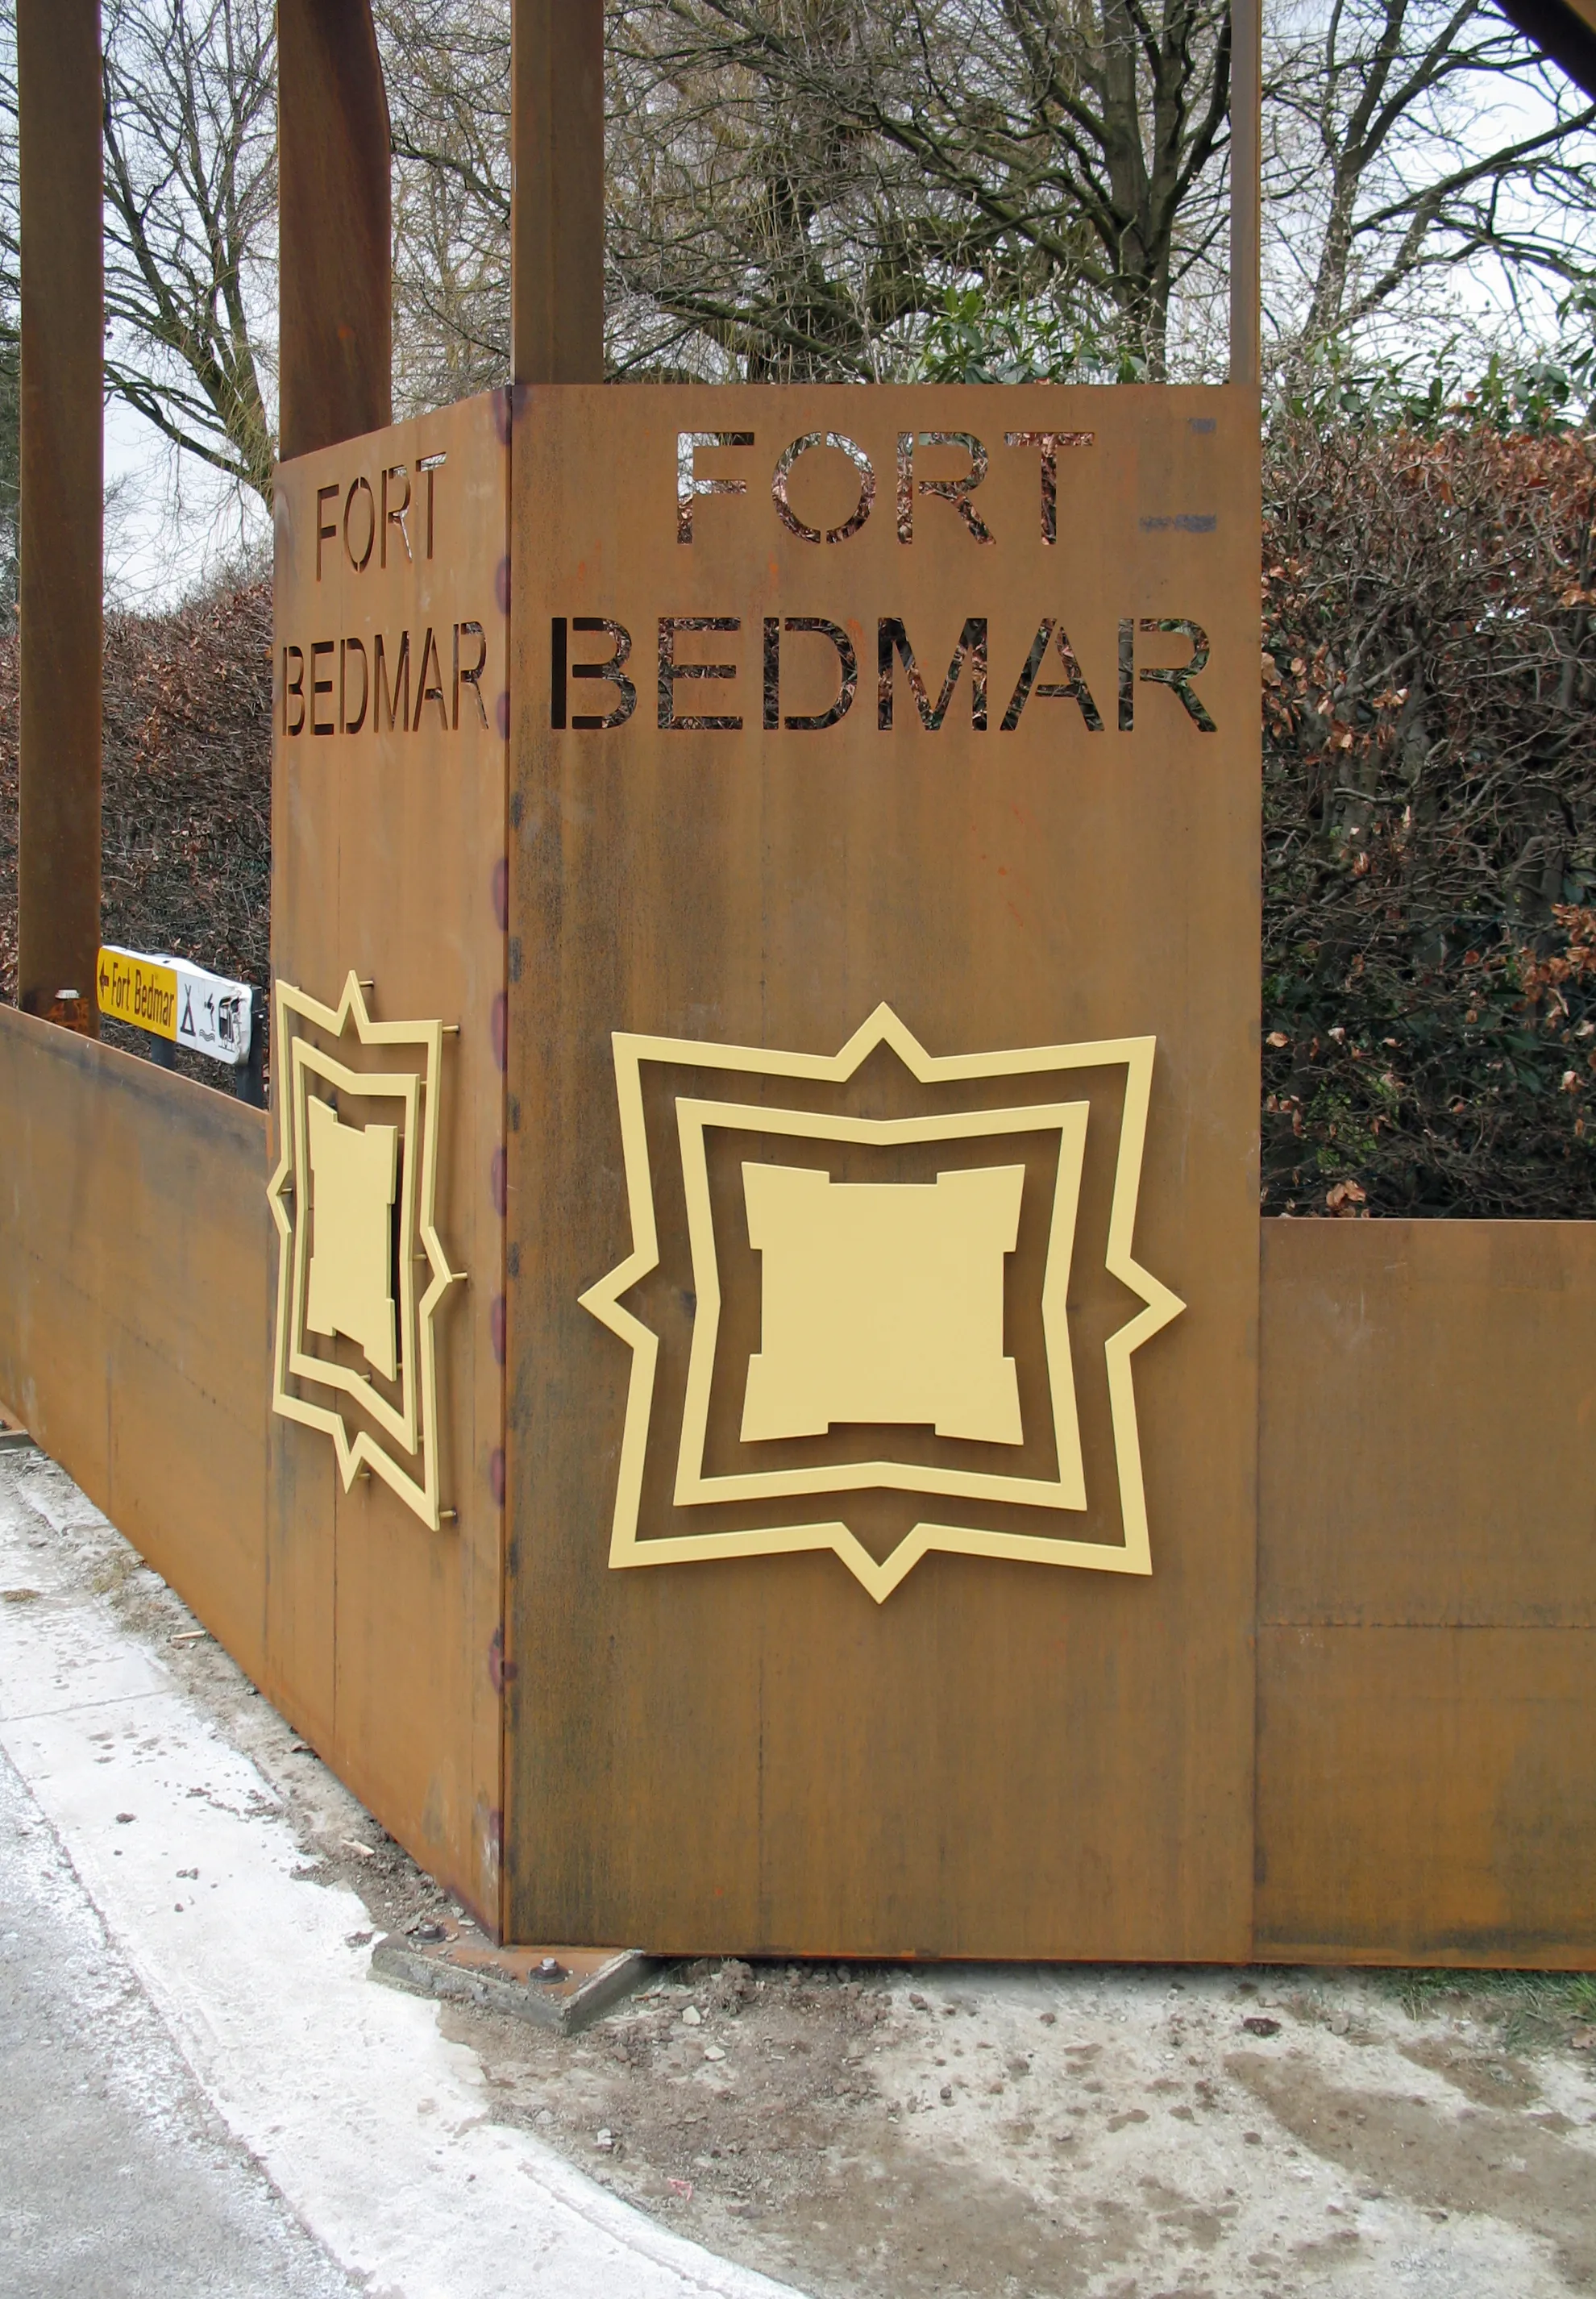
point(190, 202)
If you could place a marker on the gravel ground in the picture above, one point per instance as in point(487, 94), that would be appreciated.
point(1125, 2134)
point(1040, 2131)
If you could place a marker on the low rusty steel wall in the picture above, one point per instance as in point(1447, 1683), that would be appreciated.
point(134, 1291)
point(137, 1275)
point(1427, 1641)
point(1427, 1605)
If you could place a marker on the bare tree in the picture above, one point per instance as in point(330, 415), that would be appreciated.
point(882, 155)
point(809, 187)
point(806, 188)
point(447, 64)
point(1429, 136)
point(796, 186)
point(190, 213)
point(1074, 154)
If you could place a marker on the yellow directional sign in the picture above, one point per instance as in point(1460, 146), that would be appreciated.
point(169, 998)
point(139, 991)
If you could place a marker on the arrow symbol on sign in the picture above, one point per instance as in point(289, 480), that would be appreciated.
point(104, 974)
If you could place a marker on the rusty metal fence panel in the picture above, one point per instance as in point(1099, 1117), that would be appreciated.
point(135, 1318)
point(1426, 1725)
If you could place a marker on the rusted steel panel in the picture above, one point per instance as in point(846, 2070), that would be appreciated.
point(1427, 1749)
point(748, 1752)
point(63, 328)
point(335, 267)
point(1428, 1794)
point(133, 1316)
point(388, 795)
point(1427, 1413)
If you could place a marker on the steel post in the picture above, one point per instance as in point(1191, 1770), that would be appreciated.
point(334, 225)
point(63, 281)
point(557, 227)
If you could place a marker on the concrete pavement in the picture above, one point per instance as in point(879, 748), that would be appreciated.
point(279, 2116)
point(116, 2175)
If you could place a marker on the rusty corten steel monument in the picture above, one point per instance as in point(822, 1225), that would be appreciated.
point(741, 1397)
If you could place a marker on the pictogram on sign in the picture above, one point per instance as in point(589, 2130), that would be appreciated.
point(171, 998)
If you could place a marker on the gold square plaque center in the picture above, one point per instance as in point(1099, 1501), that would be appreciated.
point(882, 1301)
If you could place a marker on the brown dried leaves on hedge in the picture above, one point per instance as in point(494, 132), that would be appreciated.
point(1430, 823)
point(186, 805)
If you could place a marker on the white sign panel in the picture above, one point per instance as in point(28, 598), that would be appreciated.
point(171, 998)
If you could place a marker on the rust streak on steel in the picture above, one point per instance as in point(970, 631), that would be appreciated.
point(557, 225)
point(335, 218)
point(58, 889)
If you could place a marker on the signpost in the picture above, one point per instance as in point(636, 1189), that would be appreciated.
point(178, 1003)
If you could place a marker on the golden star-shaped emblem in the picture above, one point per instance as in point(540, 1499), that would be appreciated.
point(882, 1303)
point(345, 1265)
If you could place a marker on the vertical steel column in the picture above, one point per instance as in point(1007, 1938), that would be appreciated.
point(1246, 99)
point(62, 500)
point(557, 227)
point(335, 277)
